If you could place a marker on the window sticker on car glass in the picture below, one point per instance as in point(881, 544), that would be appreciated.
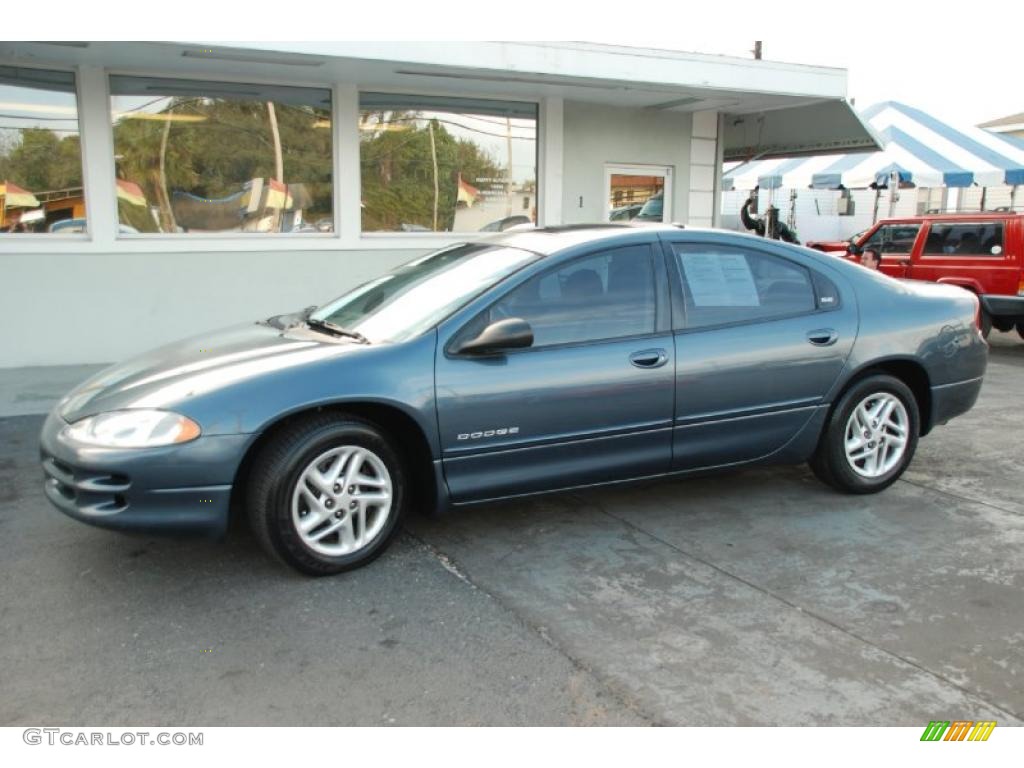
point(720, 280)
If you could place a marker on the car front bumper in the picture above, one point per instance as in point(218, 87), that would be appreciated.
point(181, 488)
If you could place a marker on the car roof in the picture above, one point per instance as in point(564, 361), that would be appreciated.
point(550, 240)
point(957, 216)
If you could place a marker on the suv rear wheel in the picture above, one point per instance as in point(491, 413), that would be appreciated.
point(326, 494)
point(870, 437)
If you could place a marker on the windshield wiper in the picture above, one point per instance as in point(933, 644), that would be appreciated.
point(335, 330)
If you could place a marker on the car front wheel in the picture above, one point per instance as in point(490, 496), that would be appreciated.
point(870, 437)
point(326, 494)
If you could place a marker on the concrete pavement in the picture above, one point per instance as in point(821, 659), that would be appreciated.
point(757, 597)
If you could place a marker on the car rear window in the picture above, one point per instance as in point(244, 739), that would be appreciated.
point(724, 285)
point(965, 239)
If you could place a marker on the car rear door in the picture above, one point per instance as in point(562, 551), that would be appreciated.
point(760, 338)
point(590, 401)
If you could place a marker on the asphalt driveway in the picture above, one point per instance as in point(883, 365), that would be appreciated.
point(757, 597)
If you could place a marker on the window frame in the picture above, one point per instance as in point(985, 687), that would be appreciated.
point(96, 131)
point(434, 239)
point(185, 238)
point(679, 313)
point(864, 244)
point(662, 302)
point(1003, 223)
point(52, 238)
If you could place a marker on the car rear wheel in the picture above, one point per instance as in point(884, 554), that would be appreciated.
point(326, 494)
point(870, 436)
point(1020, 330)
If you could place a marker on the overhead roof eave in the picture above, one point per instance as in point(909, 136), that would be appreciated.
point(829, 127)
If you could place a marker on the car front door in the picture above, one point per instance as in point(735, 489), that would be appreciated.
point(590, 401)
point(760, 340)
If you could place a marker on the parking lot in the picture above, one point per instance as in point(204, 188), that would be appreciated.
point(753, 598)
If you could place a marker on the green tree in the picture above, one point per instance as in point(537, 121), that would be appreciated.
point(397, 172)
point(226, 144)
point(39, 161)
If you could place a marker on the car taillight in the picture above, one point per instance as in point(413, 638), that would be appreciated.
point(1020, 287)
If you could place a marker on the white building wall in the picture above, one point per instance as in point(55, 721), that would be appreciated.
point(597, 135)
point(995, 197)
point(71, 308)
point(704, 169)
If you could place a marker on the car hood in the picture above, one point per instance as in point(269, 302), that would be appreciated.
point(171, 375)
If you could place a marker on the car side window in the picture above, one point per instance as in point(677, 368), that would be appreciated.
point(977, 239)
point(607, 295)
point(724, 285)
point(893, 238)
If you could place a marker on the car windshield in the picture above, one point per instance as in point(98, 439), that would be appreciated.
point(652, 209)
point(414, 297)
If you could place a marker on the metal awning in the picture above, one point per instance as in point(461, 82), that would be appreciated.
point(829, 127)
point(921, 149)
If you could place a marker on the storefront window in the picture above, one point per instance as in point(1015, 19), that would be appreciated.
point(40, 152)
point(199, 157)
point(446, 164)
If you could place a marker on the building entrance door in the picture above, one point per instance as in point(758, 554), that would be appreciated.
point(638, 193)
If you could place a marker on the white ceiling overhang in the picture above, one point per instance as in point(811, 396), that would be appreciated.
point(772, 108)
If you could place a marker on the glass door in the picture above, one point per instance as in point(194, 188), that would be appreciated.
point(641, 193)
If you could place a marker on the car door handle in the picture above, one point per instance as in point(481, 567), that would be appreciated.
point(822, 337)
point(649, 358)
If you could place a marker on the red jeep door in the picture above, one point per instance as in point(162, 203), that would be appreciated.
point(895, 242)
point(977, 255)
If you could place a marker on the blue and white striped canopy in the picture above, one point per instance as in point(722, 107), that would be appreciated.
point(924, 151)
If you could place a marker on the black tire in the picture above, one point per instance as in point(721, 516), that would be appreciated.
point(276, 471)
point(1020, 330)
point(830, 463)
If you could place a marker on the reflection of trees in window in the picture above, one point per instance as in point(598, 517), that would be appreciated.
point(202, 160)
point(40, 160)
point(416, 172)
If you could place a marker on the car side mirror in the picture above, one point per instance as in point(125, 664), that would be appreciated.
point(510, 333)
point(854, 249)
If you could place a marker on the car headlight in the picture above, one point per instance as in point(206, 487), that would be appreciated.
point(141, 428)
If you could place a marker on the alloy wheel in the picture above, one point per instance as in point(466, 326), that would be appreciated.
point(342, 500)
point(877, 433)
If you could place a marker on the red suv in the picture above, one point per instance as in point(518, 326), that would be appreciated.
point(982, 252)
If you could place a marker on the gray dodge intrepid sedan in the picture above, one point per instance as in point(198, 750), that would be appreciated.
point(533, 361)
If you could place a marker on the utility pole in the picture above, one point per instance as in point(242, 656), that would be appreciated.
point(167, 222)
point(278, 159)
point(433, 156)
point(508, 139)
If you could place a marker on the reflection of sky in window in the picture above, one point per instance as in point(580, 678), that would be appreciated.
point(122, 105)
point(490, 132)
point(22, 108)
point(152, 104)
